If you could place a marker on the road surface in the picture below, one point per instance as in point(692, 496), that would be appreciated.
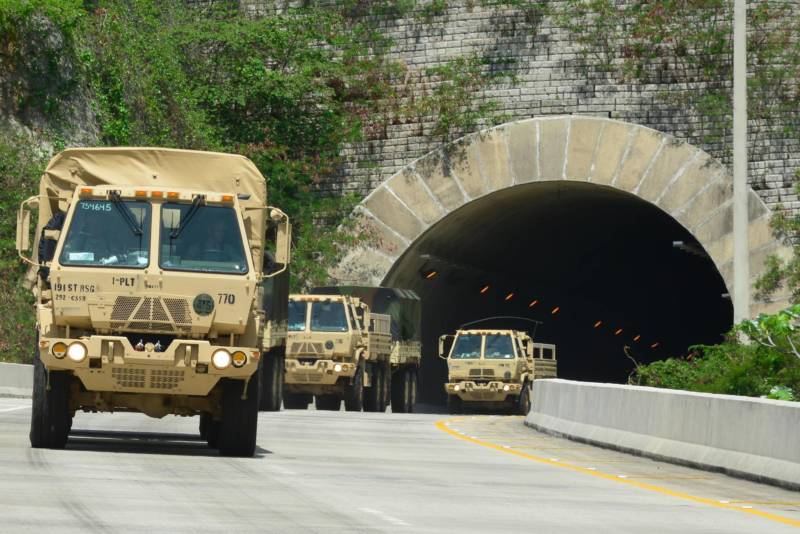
point(358, 472)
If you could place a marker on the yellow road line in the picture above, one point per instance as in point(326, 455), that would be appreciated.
point(442, 425)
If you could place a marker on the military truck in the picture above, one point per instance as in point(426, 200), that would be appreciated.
point(158, 290)
point(357, 344)
point(494, 369)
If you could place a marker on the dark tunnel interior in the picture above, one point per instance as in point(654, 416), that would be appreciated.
point(568, 254)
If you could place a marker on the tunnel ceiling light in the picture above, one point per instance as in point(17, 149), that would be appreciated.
point(431, 275)
point(555, 310)
point(509, 296)
point(484, 289)
point(597, 324)
point(533, 303)
point(637, 337)
point(618, 331)
point(655, 345)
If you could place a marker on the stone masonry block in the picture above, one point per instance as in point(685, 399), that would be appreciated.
point(522, 147)
point(640, 154)
point(393, 214)
point(409, 187)
point(613, 141)
point(552, 142)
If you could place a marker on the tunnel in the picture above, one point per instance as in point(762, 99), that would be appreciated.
point(611, 279)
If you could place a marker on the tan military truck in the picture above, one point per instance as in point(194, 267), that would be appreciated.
point(156, 290)
point(341, 348)
point(494, 369)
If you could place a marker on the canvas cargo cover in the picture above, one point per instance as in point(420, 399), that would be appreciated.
point(404, 305)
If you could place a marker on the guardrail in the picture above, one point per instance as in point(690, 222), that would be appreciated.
point(757, 439)
point(16, 380)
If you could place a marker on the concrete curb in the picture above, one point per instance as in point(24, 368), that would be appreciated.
point(743, 437)
point(16, 380)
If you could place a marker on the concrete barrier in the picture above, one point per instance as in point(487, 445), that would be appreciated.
point(16, 380)
point(757, 439)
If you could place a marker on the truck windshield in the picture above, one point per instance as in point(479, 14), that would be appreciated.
point(467, 347)
point(201, 238)
point(102, 235)
point(498, 347)
point(328, 317)
point(297, 315)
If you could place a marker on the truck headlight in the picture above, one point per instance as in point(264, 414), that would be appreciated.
point(506, 387)
point(76, 352)
point(337, 368)
point(239, 358)
point(221, 358)
point(456, 387)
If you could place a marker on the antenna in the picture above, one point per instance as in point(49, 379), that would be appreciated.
point(534, 321)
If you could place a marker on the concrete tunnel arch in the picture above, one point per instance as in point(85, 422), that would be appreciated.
point(554, 210)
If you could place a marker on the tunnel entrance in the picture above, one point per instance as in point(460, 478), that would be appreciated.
point(600, 267)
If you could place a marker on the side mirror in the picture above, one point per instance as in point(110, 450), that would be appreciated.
point(442, 339)
point(283, 240)
point(23, 242)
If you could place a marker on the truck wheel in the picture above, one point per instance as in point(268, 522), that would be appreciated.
point(296, 401)
point(50, 417)
point(386, 383)
point(354, 393)
point(412, 401)
point(454, 404)
point(524, 401)
point(272, 381)
point(209, 430)
point(400, 391)
point(373, 394)
point(237, 430)
point(328, 402)
point(204, 418)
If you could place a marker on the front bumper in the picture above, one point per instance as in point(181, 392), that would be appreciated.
point(182, 368)
point(322, 372)
point(494, 391)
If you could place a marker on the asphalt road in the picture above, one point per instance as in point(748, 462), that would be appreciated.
point(346, 472)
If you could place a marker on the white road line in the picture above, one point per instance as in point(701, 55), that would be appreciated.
point(13, 408)
point(386, 517)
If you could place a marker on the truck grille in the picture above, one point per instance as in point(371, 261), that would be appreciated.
point(151, 314)
point(164, 379)
point(481, 372)
point(305, 348)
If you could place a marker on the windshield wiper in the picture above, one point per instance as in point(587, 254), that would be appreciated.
point(189, 214)
point(129, 217)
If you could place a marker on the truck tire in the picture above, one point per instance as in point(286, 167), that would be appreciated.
point(296, 401)
point(373, 396)
point(454, 404)
point(354, 393)
point(401, 391)
point(50, 417)
point(523, 405)
point(239, 424)
point(209, 430)
point(328, 402)
point(272, 381)
point(386, 395)
point(412, 403)
point(203, 427)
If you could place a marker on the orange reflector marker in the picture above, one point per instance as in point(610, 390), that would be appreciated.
point(140, 193)
point(172, 194)
point(638, 337)
point(555, 310)
point(431, 275)
point(533, 303)
point(509, 296)
point(227, 198)
point(43, 344)
point(654, 345)
point(86, 191)
point(485, 289)
point(597, 324)
point(618, 331)
point(157, 194)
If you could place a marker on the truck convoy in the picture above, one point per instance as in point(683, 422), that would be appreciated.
point(357, 344)
point(161, 288)
point(494, 369)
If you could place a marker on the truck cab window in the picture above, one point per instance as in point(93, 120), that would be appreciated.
point(467, 347)
point(328, 317)
point(201, 238)
point(498, 347)
point(100, 235)
point(297, 315)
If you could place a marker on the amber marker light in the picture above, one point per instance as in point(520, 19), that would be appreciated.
point(597, 324)
point(637, 337)
point(431, 275)
point(239, 358)
point(140, 193)
point(86, 191)
point(157, 194)
point(533, 303)
point(618, 331)
point(59, 350)
point(509, 296)
point(227, 198)
point(172, 195)
point(654, 345)
point(484, 289)
point(556, 310)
